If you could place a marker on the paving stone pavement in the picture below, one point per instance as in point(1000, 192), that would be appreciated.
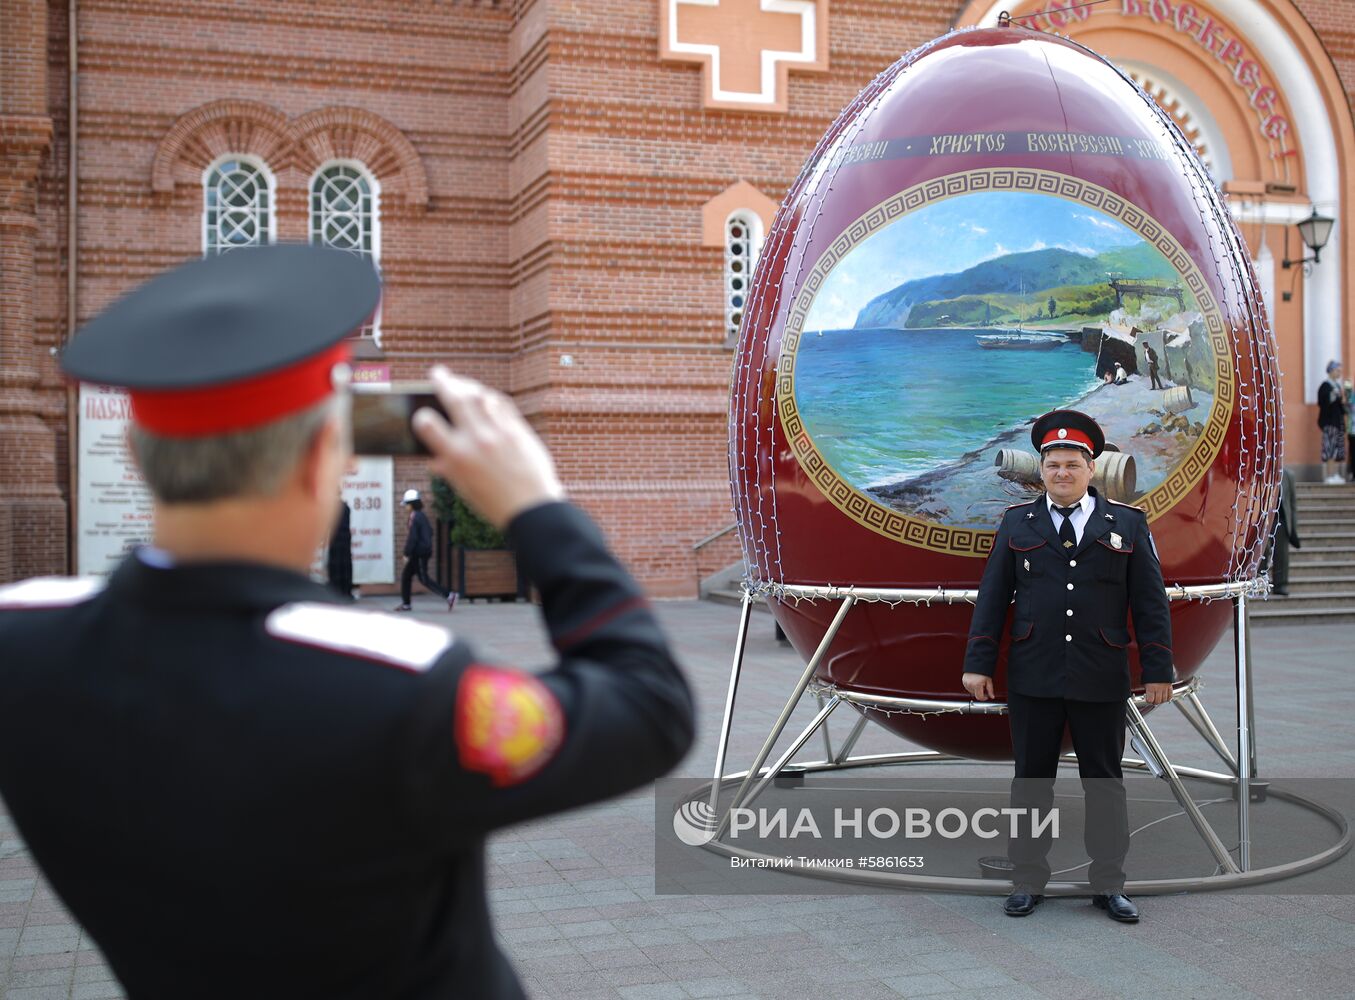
point(574, 904)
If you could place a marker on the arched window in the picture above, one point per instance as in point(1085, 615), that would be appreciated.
point(345, 214)
point(743, 241)
point(237, 204)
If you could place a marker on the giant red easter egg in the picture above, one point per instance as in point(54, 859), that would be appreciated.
point(983, 234)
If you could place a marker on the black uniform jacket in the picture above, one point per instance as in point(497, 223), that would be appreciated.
point(1070, 635)
point(419, 541)
point(243, 790)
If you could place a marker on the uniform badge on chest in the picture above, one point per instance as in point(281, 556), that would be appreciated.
point(1026, 563)
point(1116, 542)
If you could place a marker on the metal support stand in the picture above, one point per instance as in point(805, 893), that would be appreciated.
point(1178, 787)
point(1246, 764)
point(810, 669)
point(744, 615)
point(754, 781)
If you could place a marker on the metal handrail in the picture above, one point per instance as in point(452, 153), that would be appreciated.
point(797, 591)
point(711, 538)
point(938, 706)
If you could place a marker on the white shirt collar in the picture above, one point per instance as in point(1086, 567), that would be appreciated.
point(1087, 503)
point(153, 557)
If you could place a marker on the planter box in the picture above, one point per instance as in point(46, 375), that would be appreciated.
point(485, 573)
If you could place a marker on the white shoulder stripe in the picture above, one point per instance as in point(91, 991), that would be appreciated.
point(49, 592)
point(371, 635)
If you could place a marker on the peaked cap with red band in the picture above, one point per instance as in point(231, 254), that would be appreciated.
point(230, 342)
point(1068, 429)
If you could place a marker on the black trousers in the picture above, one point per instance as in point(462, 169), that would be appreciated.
point(1098, 729)
point(417, 566)
point(341, 576)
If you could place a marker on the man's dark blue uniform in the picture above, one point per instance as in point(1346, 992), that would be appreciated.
point(242, 787)
point(1068, 662)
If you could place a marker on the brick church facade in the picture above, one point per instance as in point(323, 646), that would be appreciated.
point(561, 197)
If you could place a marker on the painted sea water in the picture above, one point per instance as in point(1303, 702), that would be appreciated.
point(884, 406)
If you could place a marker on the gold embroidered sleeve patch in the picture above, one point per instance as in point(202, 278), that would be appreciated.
point(508, 724)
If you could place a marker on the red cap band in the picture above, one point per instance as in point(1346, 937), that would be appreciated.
point(239, 406)
point(1067, 437)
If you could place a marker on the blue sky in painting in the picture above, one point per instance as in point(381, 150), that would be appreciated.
point(956, 234)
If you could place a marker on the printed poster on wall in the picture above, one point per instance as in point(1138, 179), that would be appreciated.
point(368, 493)
point(114, 512)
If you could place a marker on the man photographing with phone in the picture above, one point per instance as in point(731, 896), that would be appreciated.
point(245, 788)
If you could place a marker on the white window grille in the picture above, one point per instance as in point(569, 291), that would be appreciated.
point(743, 241)
point(345, 214)
point(237, 203)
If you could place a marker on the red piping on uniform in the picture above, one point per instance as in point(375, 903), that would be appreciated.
point(1167, 648)
point(596, 622)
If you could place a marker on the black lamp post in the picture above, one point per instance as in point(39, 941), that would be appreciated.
point(1315, 231)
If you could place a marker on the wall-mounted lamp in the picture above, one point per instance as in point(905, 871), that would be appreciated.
point(1315, 231)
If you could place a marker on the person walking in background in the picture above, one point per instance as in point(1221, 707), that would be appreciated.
point(418, 549)
point(339, 559)
point(1151, 355)
point(1332, 415)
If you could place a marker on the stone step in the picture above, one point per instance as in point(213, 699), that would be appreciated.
point(1326, 520)
point(1324, 585)
point(734, 597)
point(1332, 598)
point(1310, 487)
point(1328, 544)
point(1278, 611)
point(1325, 503)
point(1317, 569)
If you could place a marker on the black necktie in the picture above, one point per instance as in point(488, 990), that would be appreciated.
point(1066, 533)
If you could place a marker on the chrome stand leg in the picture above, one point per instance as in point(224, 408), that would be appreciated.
point(1149, 743)
point(852, 737)
point(1191, 707)
point(722, 748)
point(789, 708)
point(827, 741)
point(1244, 718)
point(791, 751)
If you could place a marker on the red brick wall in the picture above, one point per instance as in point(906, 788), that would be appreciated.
point(566, 167)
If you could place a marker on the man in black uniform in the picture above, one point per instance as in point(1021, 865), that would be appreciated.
point(1076, 564)
point(339, 557)
point(244, 788)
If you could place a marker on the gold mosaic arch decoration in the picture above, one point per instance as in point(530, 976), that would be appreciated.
point(972, 541)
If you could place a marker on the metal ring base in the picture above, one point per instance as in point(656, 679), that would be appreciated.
point(988, 886)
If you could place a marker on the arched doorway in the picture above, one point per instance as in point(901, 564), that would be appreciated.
point(1252, 87)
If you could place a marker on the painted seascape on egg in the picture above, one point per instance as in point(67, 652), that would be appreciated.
point(932, 345)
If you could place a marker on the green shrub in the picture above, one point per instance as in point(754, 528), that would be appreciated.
point(468, 529)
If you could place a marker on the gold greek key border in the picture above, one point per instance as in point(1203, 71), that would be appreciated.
point(971, 541)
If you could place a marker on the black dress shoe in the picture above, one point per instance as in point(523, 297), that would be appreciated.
point(1118, 906)
point(1021, 902)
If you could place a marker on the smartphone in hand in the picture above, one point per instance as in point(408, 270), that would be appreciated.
point(381, 421)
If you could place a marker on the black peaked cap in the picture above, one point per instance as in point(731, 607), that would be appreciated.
point(1069, 420)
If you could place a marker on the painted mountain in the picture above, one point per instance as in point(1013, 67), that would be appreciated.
point(999, 282)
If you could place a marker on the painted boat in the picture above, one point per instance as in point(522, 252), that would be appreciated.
point(1019, 340)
